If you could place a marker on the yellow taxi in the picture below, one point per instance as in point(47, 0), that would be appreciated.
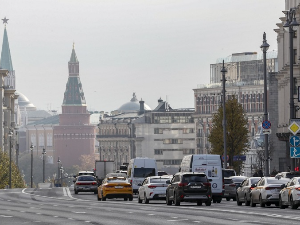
point(115, 187)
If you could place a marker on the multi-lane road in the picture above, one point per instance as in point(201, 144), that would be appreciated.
point(60, 206)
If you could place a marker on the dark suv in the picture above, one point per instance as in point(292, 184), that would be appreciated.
point(189, 187)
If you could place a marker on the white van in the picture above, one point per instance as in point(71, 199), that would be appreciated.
point(139, 169)
point(209, 164)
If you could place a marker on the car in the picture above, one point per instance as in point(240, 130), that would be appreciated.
point(189, 187)
point(290, 194)
point(162, 173)
point(266, 191)
point(85, 183)
point(153, 188)
point(228, 172)
point(243, 192)
point(287, 174)
point(115, 187)
point(237, 180)
point(229, 189)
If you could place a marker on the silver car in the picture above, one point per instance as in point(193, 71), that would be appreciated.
point(290, 194)
point(85, 183)
point(266, 192)
point(243, 192)
point(230, 189)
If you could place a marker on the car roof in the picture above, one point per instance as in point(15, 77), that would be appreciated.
point(163, 176)
point(184, 173)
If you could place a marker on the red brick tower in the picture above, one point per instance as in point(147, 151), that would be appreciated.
point(74, 136)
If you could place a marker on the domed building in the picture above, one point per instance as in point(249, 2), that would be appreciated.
point(24, 102)
point(132, 106)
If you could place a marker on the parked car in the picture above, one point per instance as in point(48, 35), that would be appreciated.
point(230, 190)
point(289, 175)
point(189, 187)
point(85, 183)
point(266, 191)
point(238, 180)
point(115, 187)
point(153, 188)
point(243, 192)
point(290, 194)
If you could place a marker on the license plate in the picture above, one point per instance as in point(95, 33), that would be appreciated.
point(118, 186)
point(161, 195)
point(195, 186)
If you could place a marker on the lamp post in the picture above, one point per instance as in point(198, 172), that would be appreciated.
point(61, 175)
point(58, 171)
point(44, 154)
point(223, 71)
point(31, 167)
point(10, 135)
point(264, 47)
point(291, 26)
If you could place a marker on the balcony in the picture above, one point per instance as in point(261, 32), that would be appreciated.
point(112, 136)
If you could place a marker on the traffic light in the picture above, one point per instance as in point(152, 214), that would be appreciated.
point(297, 168)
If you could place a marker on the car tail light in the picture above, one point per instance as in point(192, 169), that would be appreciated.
point(207, 184)
point(232, 185)
point(131, 182)
point(182, 184)
point(270, 188)
point(78, 183)
point(152, 186)
point(94, 183)
point(109, 186)
point(297, 189)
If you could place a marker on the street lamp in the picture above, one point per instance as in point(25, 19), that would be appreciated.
point(10, 135)
point(264, 47)
point(44, 154)
point(223, 71)
point(31, 167)
point(291, 26)
point(58, 171)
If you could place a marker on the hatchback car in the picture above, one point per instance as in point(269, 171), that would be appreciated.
point(266, 192)
point(290, 194)
point(229, 189)
point(189, 187)
point(115, 187)
point(243, 192)
point(85, 183)
point(153, 188)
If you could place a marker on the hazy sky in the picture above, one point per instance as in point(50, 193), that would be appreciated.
point(156, 48)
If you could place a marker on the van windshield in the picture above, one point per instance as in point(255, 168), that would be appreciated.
point(143, 172)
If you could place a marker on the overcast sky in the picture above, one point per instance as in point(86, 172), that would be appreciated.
point(156, 48)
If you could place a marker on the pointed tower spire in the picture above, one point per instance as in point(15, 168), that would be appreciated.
point(74, 93)
point(5, 61)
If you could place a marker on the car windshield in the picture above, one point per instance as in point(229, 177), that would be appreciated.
point(292, 175)
point(238, 179)
point(144, 172)
point(86, 178)
point(276, 181)
point(159, 180)
point(117, 181)
point(228, 181)
point(228, 173)
point(193, 178)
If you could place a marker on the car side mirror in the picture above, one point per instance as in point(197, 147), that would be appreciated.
point(168, 182)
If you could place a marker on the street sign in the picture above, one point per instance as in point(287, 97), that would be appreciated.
point(294, 141)
point(294, 127)
point(224, 158)
point(239, 158)
point(267, 131)
point(266, 124)
point(295, 152)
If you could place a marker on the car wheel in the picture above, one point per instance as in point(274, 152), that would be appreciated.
point(252, 204)
point(167, 200)
point(238, 201)
point(99, 199)
point(219, 200)
point(199, 203)
point(76, 192)
point(261, 203)
point(176, 200)
point(103, 198)
point(139, 199)
point(281, 206)
point(125, 199)
point(268, 204)
point(227, 199)
point(247, 203)
point(208, 203)
point(214, 200)
point(234, 199)
point(130, 198)
point(293, 205)
point(146, 199)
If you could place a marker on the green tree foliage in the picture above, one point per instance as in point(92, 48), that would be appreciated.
point(237, 132)
point(16, 178)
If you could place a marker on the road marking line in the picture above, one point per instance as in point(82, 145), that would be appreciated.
point(64, 191)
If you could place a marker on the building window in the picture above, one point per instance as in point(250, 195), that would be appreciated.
point(158, 131)
point(188, 130)
point(188, 151)
point(158, 152)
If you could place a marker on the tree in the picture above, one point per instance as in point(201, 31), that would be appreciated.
point(237, 132)
point(16, 178)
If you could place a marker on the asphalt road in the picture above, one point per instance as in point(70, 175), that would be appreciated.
point(61, 206)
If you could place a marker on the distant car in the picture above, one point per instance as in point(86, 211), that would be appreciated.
point(85, 183)
point(243, 192)
point(238, 180)
point(290, 194)
point(228, 172)
point(115, 187)
point(266, 191)
point(153, 188)
point(189, 187)
point(230, 189)
point(161, 173)
point(287, 174)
